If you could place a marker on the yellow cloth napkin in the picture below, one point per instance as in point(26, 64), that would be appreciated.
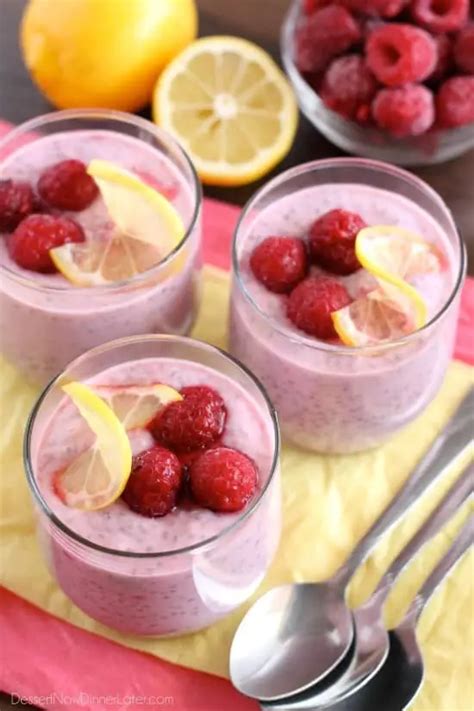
point(329, 502)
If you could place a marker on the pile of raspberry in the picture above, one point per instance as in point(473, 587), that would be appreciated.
point(405, 66)
point(33, 220)
point(282, 264)
point(189, 464)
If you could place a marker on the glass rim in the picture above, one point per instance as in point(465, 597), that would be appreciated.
point(54, 519)
point(123, 117)
point(313, 343)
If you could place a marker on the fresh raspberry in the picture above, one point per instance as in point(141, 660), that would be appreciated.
point(67, 186)
point(377, 8)
point(440, 15)
point(195, 422)
point(464, 49)
point(279, 263)
point(455, 102)
point(332, 241)
point(223, 480)
point(153, 486)
point(444, 62)
point(398, 54)
point(33, 238)
point(404, 111)
point(313, 301)
point(323, 35)
point(349, 87)
point(17, 201)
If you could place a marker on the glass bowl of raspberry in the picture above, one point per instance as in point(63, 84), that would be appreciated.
point(390, 80)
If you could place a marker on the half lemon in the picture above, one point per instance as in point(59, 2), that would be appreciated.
point(230, 105)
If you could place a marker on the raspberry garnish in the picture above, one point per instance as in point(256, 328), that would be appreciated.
point(323, 35)
point(349, 87)
point(380, 8)
point(67, 186)
point(440, 15)
point(310, 306)
point(33, 238)
point(195, 422)
point(445, 57)
point(154, 483)
point(332, 241)
point(398, 54)
point(279, 263)
point(455, 102)
point(17, 201)
point(464, 49)
point(223, 480)
point(404, 111)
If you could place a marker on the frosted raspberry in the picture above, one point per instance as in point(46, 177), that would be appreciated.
point(349, 87)
point(464, 49)
point(223, 480)
point(310, 306)
point(404, 111)
point(323, 35)
point(455, 102)
point(36, 235)
point(332, 241)
point(398, 54)
point(279, 263)
point(154, 484)
point(67, 186)
point(440, 15)
point(17, 201)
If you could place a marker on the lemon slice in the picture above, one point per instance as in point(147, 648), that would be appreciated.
point(136, 405)
point(98, 476)
point(148, 228)
point(395, 254)
point(384, 314)
point(231, 107)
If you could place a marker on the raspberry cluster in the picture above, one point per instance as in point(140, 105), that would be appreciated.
point(189, 460)
point(282, 265)
point(405, 66)
point(32, 219)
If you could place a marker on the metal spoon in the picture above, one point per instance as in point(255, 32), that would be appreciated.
point(372, 642)
point(398, 681)
point(296, 634)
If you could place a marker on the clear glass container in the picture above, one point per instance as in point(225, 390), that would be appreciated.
point(163, 588)
point(45, 321)
point(436, 146)
point(334, 398)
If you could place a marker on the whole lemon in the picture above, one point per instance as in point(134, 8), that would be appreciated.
point(103, 53)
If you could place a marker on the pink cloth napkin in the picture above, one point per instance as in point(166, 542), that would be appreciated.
point(58, 666)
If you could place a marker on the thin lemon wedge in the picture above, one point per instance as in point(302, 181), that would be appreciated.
point(231, 107)
point(393, 255)
point(97, 477)
point(136, 405)
point(147, 229)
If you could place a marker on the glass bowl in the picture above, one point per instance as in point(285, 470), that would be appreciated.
point(433, 147)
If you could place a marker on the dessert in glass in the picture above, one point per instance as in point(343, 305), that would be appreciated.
point(186, 532)
point(99, 236)
point(346, 282)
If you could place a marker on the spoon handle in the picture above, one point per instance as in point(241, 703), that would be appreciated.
point(451, 443)
point(459, 492)
point(462, 542)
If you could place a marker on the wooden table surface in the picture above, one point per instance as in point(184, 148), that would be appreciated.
point(260, 21)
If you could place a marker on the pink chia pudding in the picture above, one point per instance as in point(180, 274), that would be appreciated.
point(46, 320)
point(157, 575)
point(331, 397)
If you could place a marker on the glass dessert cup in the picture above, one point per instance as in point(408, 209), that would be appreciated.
point(436, 146)
point(329, 397)
point(157, 590)
point(46, 321)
